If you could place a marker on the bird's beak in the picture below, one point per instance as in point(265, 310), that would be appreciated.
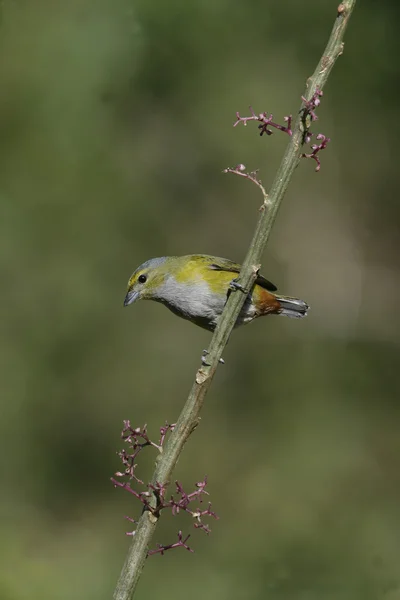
point(131, 296)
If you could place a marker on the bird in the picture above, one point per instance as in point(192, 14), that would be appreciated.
point(195, 287)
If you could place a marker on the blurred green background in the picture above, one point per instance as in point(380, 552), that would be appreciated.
point(116, 122)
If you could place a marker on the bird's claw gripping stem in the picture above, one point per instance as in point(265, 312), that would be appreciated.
point(205, 363)
point(235, 285)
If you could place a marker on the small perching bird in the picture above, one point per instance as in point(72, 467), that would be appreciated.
point(195, 287)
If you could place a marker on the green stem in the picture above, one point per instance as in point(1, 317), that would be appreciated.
point(189, 417)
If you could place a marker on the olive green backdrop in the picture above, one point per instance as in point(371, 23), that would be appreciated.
point(115, 125)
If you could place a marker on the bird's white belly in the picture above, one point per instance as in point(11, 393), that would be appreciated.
point(197, 302)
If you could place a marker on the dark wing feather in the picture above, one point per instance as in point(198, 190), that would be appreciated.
point(266, 284)
point(223, 264)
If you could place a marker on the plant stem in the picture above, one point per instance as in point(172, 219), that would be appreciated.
point(189, 417)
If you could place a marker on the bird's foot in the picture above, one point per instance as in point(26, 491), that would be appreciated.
point(235, 285)
point(205, 363)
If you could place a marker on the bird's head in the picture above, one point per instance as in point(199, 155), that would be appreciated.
point(146, 280)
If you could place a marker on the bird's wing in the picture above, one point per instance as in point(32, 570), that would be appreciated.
point(223, 264)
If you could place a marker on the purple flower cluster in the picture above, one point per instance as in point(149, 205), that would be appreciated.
point(266, 122)
point(153, 497)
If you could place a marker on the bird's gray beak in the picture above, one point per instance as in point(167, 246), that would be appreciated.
point(131, 296)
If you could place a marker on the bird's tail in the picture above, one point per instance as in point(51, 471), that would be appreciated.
point(292, 307)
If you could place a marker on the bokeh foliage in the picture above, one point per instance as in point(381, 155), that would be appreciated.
point(115, 121)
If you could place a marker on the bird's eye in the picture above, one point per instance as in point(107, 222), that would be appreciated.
point(142, 279)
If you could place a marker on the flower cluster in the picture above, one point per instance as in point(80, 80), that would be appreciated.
point(154, 496)
point(137, 439)
point(316, 148)
point(311, 105)
point(181, 543)
point(251, 176)
point(308, 116)
point(266, 121)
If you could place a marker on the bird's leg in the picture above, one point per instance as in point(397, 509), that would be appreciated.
point(203, 359)
point(234, 285)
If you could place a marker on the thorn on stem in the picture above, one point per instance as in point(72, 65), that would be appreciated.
point(205, 363)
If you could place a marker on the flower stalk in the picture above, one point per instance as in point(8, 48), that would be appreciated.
point(189, 417)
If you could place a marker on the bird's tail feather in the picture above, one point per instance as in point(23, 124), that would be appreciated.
point(292, 307)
